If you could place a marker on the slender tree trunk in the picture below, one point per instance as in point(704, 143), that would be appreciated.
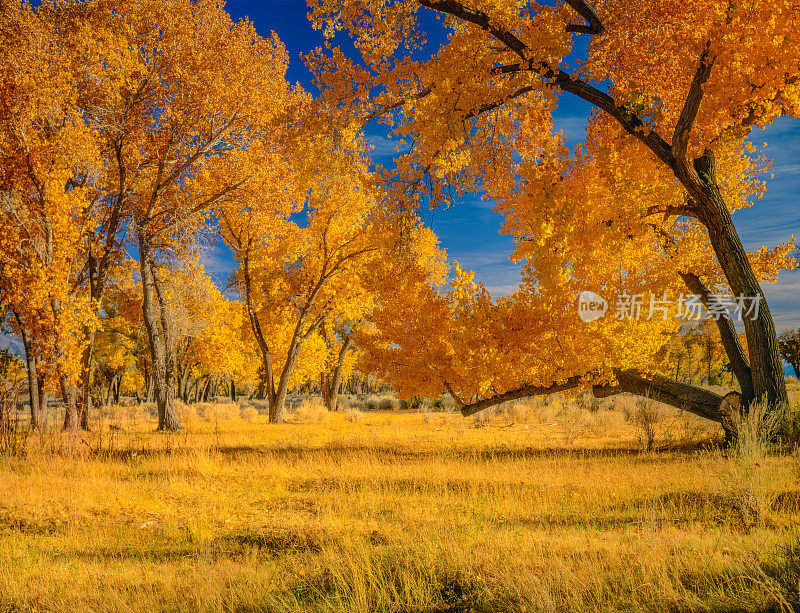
point(43, 398)
point(148, 397)
point(110, 392)
point(33, 379)
point(183, 383)
point(84, 398)
point(233, 390)
point(162, 366)
point(267, 380)
point(325, 389)
point(206, 388)
point(117, 386)
point(332, 400)
point(796, 370)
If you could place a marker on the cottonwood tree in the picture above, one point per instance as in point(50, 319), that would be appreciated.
point(681, 97)
point(789, 344)
point(480, 348)
point(53, 218)
point(296, 276)
point(203, 90)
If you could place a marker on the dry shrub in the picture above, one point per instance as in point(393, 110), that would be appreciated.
point(371, 402)
point(218, 411)
point(311, 411)
point(249, 414)
point(343, 404)
point(353, 415)
point(646, 416)
point(571, 422)
point(519, 412)
point(755, 430)
point(388, 404)
point(187, 414)
point(588, 402)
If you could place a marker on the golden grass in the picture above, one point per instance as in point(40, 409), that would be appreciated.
point(393, 512)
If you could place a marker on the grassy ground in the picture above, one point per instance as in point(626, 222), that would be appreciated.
point(396, 512)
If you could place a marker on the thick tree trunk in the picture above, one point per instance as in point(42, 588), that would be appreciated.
point(71, 417)
point(796, 368)
point(162, 367)
point(766, 369)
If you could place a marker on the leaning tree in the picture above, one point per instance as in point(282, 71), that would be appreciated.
point(674, 91)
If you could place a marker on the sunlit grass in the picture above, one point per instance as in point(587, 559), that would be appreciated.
point(394, 512)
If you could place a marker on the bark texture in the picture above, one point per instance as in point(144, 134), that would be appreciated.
point(163, 368)
point(695, 400)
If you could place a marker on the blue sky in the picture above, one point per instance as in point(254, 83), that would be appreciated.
point(470, 230)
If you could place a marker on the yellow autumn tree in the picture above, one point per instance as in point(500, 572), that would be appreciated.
point(202, 91)
point(477, 113)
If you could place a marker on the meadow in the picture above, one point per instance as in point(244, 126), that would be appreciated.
point(534, 507)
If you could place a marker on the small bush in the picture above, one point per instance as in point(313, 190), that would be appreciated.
point(353, 415)
point(388, 404)
point(249, 414)
point(755, 429)
point(217, 412)
point(310, 411)
point(646, 417)
point(187, 413)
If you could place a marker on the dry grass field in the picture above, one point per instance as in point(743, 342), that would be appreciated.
point(537, 507)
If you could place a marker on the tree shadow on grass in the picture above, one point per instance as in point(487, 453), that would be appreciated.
point(294, 453)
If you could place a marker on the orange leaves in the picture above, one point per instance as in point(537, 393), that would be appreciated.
point(475, 113)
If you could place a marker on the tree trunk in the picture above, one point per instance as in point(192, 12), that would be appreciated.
point(332, 400)
point(43, 399)
point(762, 343)
point(206, 389)
point(33, 379)
point(71, 417)
point(162, 367)
point(267, 380)
point(84, 397)
point(233, 390)
point(183, 383)
point(277, 406)
point(148, 396)
point(110, 392)
point(796, 370)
